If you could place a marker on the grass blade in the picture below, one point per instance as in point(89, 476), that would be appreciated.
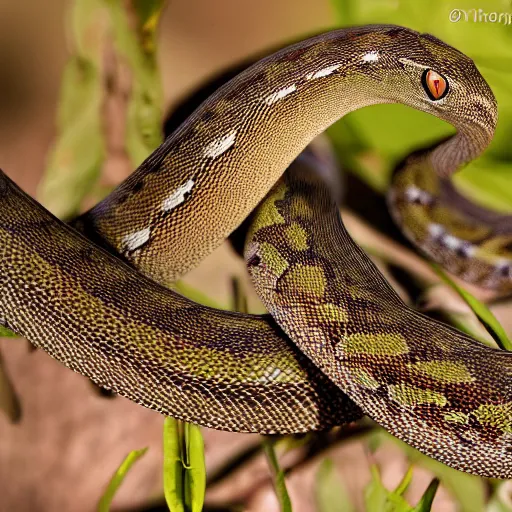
point(279, 481)
point(378, 498)
point(117, 479)
point(184, 466)
point(480, 309)
point(425, 503)
point(195, 468)
point(173, 466)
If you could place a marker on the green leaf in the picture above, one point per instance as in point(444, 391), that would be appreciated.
point(405, 482)
point(184, 466)
point(195, 468)
point(7, 333)
point(480, 309)
point(468, 490)
point(75, 161)
point(279, 477)
point(173, 467)
point(117, 479)
point(148, 13)
point(378, 498)
point(144, 121)
point(331, 495)
point(375, 494)
point(390, 132)
point(488, 183)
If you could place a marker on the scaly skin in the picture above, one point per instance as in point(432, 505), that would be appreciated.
point(474, 243)
point(426, 383)
point(206, 178)
point(435, 388)
point(104, 320)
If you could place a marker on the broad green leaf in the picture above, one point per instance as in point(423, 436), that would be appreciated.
point(76, 158)
point(331, 495)
point(279, 477)
point(144, 122)
point(481, 311)
point(487, 182)
point(173, 467)
point(390, 132)
point(117, 479)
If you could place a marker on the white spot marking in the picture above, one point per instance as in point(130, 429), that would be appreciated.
point(220, 145)
point(371, 57)
point(271, 374)
point(435, 230)
point(177, 197)
point(468, 250)
point(134, 240)
point(409, 62)
point(323, 72)
point(279, 95)
point(452, 242)
point(415, 194)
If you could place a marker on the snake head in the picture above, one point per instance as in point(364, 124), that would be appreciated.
point(436, 78)
point(469, 103)
point(423, 72)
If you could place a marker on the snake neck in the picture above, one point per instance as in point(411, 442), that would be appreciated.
point(467, 144)
point(213, 171)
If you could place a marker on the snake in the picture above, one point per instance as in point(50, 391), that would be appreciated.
point(338, 341)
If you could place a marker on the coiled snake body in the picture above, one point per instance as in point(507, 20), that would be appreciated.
point(426, 383)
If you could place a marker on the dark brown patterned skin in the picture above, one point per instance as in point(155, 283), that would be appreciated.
point(426, 383)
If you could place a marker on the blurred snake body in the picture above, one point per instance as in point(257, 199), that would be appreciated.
point(367, 352)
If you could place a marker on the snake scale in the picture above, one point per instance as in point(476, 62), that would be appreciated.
point(110, 318)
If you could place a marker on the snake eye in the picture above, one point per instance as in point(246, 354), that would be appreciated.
point(435, 85)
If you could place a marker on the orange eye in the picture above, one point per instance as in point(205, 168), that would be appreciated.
point(435, 85)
